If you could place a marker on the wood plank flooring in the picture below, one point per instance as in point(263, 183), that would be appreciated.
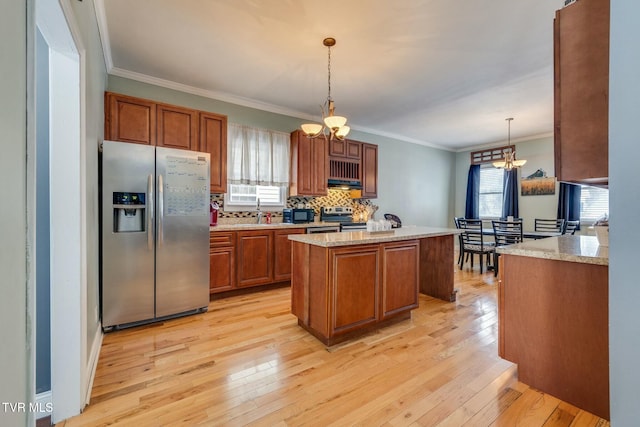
point(246, 362)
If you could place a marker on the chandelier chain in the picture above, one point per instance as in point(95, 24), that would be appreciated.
point(329, 73)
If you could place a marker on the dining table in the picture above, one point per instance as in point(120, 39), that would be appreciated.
point(527, 234)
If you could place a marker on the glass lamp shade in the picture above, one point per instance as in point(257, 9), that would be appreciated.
point(518, 163)
point(311, 129)
point(500, 164)
point(335, 122)
point(342, 132)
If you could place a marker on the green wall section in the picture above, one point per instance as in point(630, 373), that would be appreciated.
point(415, 181)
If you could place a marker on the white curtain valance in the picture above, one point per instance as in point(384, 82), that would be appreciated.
point(257, 156)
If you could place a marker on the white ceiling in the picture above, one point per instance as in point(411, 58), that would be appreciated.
point(443, 73)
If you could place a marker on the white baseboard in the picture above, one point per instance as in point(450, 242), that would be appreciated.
point(44, 404)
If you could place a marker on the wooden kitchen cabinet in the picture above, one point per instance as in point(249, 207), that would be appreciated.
point(345, 148)
point(254, 257)
point(213, 140)
point(400, 277)
point(369, 170)
point(129, 119)
point(581, 88)
point(282, 253)
point(176, 127)
point(309, 165)
point(143, 121)
point(354, 284)
point(221, 261)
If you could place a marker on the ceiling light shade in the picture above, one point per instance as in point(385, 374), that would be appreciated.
point(312, 129)
point(342, 132)
point(509, 162)
point(335, 122)
point(333, 126)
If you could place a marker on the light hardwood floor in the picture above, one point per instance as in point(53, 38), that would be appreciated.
point(246, 362)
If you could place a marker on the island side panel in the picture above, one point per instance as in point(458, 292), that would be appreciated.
point(555, 323)
point(300, 281)
point(436, 267)
point(318, 296)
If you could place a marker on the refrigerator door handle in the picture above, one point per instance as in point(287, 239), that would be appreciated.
point(160, 211)
point(150, 205)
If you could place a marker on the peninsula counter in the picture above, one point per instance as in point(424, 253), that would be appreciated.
point(344, 284)
point(553, 311)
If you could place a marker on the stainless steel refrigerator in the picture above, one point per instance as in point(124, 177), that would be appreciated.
point(155, 233)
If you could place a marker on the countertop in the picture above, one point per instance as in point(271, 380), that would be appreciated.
point(275, 225)
point(365, 237)
point(582, 249)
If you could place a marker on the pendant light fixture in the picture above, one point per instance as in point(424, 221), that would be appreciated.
point(509, 162)
point(334, 125)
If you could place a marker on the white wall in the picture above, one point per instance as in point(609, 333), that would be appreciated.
point(16, 333)
point(624, 203)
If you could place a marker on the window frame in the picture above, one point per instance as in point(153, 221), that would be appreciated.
point(231, 205)
point(585, 189)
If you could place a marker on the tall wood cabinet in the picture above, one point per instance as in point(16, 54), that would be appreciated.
point(369, 171)
point(142, 121)
point(581, 107)
point(309, 165)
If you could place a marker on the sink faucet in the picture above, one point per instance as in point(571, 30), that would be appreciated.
point(258, 211)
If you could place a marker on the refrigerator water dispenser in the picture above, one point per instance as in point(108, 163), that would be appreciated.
point(128, 212)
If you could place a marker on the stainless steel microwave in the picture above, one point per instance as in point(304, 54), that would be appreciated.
point(299, 216)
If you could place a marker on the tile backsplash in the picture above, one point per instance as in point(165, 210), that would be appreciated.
point(362, 208)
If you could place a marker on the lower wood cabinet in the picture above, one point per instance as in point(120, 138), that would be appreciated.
point(255, 257)
point(341, 291)
point(242, 259)
point(222, 266)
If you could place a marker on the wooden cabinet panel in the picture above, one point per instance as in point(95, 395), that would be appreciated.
point(581, 107)
point(399, 277)
point(129, 119)
point(177, 127)
point(309, 165)
point(436, 274)
point(354, 287)
point(213, 140)
point(345, 148)
point(369, 170)
point(222, 266)
point(282, 253)
point(254, 257)
point(221, 269)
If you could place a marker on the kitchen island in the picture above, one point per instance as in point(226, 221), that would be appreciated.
point(345, 284)
point(553, 318)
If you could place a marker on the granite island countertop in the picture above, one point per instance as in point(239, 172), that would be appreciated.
point(364, 237)
point(582, 249)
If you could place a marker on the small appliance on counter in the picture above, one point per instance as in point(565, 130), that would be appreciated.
point(287, 215)
point(213, 213)
point(395, 221)
point(301, 216)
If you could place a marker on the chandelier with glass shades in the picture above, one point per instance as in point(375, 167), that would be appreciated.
point(334, 125)
point(509, 161)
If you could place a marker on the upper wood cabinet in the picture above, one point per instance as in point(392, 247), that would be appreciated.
point(142, 121)
point(177, 127)
point(345, 148)
point(309, 165)
point(213, 140)
point(129, 119)
point(369, 170)
point(581, 107)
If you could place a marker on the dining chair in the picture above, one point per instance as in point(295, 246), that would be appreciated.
point(505, 233)
point(571, 226)
point(550, 225)
point(472, 242)
point(456, 221)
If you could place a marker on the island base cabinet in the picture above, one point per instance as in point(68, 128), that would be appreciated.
point(553, 318)
point(340, 293)
point(436, 272)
